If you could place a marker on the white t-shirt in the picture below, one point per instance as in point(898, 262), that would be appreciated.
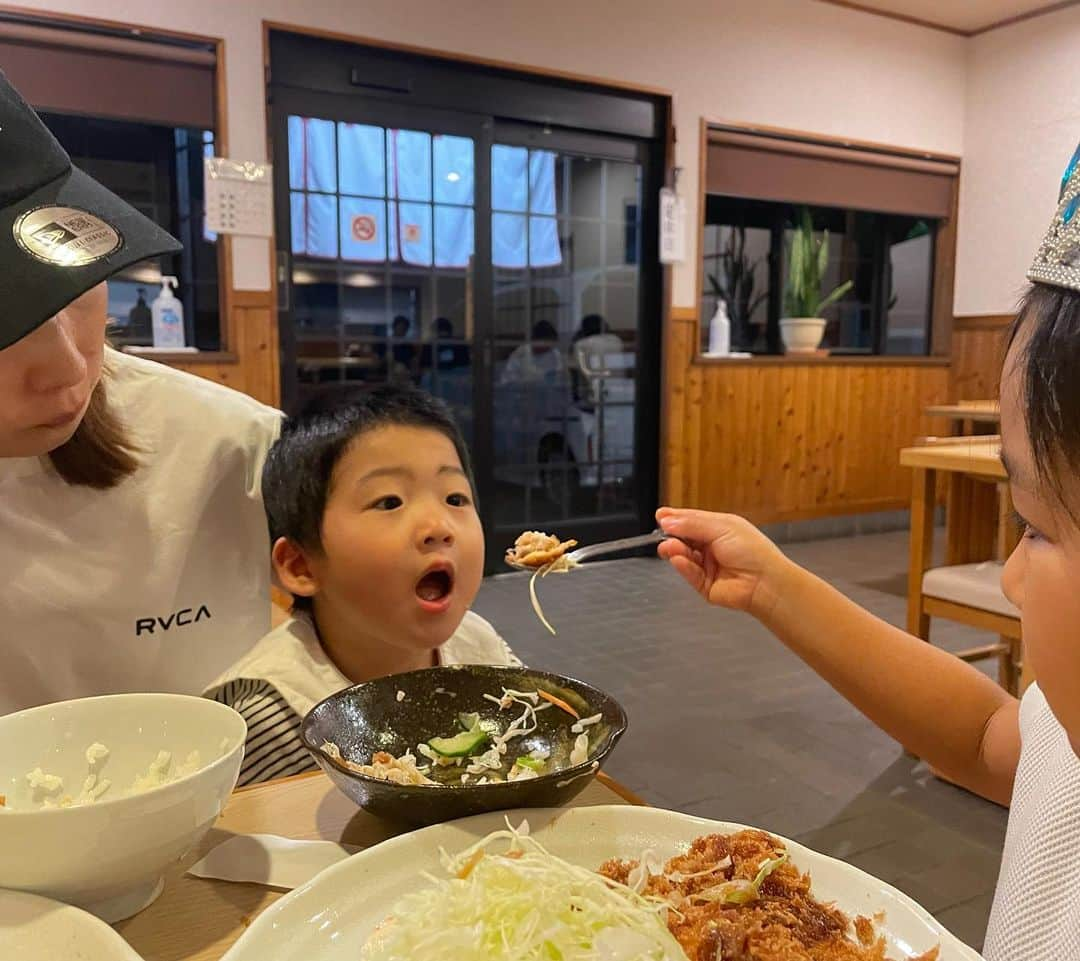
point(156, 584)
point(287, 673)
point(1036, 913)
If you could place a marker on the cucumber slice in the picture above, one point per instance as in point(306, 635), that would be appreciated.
point(469, 722)
point(460, 745)
point(533, 763)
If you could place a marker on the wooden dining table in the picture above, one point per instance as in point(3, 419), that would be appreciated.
point(198, 919)
point(969, 417)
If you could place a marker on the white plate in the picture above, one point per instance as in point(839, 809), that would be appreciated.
point(331, 916)
point(33, 928)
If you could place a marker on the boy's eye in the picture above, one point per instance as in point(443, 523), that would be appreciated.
point(388, 503)
point(458, 500)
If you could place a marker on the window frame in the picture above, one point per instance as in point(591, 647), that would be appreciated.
point(944, 250)
point(229, 300)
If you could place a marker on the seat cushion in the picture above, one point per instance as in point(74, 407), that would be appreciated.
point(976, 585)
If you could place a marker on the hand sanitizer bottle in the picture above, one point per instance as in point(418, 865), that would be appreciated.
point(720, 331)
point(167, 316)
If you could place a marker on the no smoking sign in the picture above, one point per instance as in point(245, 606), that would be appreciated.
point(364, 228)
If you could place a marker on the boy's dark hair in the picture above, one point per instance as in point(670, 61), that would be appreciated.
point(1049, 368)
point(299, 469)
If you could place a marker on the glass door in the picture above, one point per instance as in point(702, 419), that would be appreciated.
point(505, 269)
point(568, 310)
point(380, 270)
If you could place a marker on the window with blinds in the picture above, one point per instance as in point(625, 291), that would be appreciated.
point(886, 218)
point(137, 113)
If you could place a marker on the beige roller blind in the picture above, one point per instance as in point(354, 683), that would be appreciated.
point(798, 171)
point(101, 75)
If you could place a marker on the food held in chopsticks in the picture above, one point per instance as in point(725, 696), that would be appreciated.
point(507, 897)
point(543, 554)
point(738, 897)
point(535, 549)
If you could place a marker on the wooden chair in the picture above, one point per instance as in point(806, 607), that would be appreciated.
point(968, 588)
point(971, 594)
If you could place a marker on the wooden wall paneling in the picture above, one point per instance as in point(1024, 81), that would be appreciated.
point(678, 354)
point(978, 348)
point(692, 430)
point(251, 365)
point(788, 442)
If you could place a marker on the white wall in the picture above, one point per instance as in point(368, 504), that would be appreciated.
point(1022, 123)
point(786, 63)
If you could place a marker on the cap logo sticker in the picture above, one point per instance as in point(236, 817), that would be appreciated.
point(66, 236)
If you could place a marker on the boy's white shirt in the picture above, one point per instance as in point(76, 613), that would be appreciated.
point(291, 659)
point(156, 584)
point(1036, 913)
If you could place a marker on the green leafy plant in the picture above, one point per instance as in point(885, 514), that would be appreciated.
point(734, 282)
point(808, 259)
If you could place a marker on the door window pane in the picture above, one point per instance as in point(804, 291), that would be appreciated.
point(542, 182)
point(565, 376)
point(362, 159)
point(454, 229)
point(312, 154)
point(409, 164)
point(363, 229)
point(414, 233)
point(320, 236)
point(509, 178)
point(454, 177)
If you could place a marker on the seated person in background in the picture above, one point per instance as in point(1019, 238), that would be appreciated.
point(539, 358)
point(376, 536)
point(590, 347)
point(592, 325)
point(400, 357)
point(445, 353)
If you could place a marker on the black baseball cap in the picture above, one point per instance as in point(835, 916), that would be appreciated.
point(61, 232)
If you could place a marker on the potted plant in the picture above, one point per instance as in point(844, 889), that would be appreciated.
point(803, 327)
point(734, 284)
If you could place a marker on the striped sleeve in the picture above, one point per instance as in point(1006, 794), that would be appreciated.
point(273, 748)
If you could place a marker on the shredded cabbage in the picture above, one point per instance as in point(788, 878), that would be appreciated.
point(524, 904)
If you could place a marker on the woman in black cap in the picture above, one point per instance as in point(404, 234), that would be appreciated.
point(134, 545)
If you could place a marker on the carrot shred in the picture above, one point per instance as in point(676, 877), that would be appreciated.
point(560, 703)
point(467, 868)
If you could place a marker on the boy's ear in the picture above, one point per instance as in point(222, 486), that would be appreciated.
point(292, 568)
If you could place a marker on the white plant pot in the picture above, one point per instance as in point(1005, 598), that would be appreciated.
point(802, 335)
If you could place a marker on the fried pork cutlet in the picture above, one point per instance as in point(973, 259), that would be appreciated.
point(783, 923)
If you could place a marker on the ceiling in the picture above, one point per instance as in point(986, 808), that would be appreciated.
point(958, 16)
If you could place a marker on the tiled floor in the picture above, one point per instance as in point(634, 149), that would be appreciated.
point(726, 723)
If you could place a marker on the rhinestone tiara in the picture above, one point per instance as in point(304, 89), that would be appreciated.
point(1058, 259)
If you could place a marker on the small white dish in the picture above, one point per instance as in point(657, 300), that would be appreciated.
point(33, 928)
